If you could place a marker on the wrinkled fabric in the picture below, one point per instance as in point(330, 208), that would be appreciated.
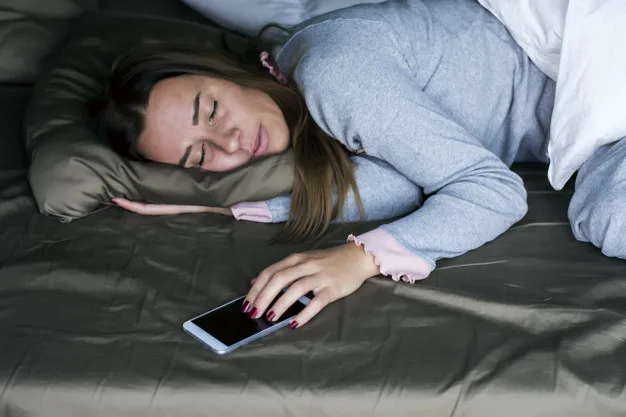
point(26, 43)
point(531, 324)
point(30, 30)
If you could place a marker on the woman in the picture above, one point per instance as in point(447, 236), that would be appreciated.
point(429, 96)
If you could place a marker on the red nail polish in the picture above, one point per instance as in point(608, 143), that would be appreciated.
point(246, 306)
point(270, 315)
point(293, 324)
point(253, 313)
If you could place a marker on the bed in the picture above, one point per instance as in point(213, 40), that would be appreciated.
point(531, 324)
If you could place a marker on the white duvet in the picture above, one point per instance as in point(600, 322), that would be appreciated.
point(582, 45)
point(579, 43)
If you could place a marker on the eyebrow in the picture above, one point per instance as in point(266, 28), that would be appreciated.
point(194, 120)
point(196, 107)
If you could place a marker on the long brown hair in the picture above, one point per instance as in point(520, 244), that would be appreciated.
point(324, 173)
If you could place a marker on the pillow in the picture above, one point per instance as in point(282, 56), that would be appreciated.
point(73, 171)
point(29, 31)
point(50, 8)
point(250, 16)
point(536, 25)
point(591, 88)
point(577, 43)
point(171, 9)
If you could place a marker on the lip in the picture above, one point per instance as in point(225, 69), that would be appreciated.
point(262, 142)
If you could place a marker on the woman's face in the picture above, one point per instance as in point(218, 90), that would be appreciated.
point(209, 123)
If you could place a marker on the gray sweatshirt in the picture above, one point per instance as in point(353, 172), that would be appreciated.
point(440, 101)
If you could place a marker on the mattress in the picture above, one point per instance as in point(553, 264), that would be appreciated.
point(531, 324)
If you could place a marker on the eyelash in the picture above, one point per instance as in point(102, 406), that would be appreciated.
point(201, 157)
point(212, 116)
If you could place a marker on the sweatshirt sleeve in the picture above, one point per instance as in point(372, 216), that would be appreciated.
point(385, 194)
point(360, 90)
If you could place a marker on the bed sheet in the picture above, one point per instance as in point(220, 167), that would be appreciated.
point(532, 324)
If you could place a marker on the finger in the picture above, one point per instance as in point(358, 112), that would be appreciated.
point(137, 207)
point(321, 300)
point(298, 289)
point(274, 286)
point(263, 278)
point(162, 209)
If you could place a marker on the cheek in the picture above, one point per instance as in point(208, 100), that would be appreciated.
point(222, 162)
point(280, 140)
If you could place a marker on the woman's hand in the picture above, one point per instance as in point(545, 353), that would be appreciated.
point(166, 209)
point(330, 274)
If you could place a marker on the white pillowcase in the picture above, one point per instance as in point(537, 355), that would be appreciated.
point(250, 16)
point(580, 44)
point(536, 25)
point(590, 105)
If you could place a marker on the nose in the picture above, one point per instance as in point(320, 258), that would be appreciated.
point(229, 140)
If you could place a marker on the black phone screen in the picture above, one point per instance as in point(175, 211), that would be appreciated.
point(230, 325)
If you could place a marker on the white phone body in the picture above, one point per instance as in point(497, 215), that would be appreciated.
point(219, 338)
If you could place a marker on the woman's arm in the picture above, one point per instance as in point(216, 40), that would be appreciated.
point(360, 90)
point(385, 194)
point(375, 105)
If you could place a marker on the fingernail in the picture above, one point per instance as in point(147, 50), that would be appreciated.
point(253, 313)
point(293, 324)
point(270, 315)
point(246, 306)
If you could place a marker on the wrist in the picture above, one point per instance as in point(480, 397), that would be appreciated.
point(366, 262)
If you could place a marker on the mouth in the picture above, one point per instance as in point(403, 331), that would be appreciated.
point(261, 142)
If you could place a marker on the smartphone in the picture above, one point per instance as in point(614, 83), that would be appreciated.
point(226, 327)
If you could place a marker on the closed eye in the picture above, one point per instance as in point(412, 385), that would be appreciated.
point(212, 116)
point(199, 165)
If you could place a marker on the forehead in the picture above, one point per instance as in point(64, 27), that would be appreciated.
point(174, 95)
point(173, 89)
point(169, 114)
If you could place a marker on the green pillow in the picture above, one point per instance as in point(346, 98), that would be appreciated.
point(73, 170)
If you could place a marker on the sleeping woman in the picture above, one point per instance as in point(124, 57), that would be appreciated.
point(382, 105)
